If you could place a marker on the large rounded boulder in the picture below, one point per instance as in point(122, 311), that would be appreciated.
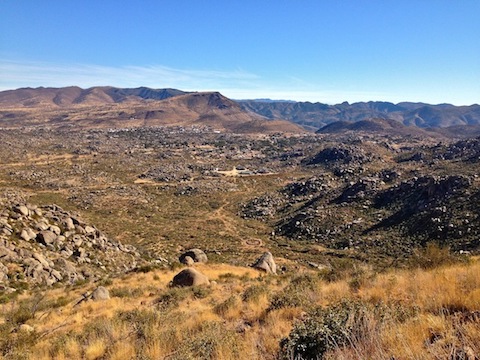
point(266, 263)
point(196, 255)
point(100, 293)
point(189, 277)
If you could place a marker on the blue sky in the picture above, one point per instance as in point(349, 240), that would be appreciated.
point(306, 50)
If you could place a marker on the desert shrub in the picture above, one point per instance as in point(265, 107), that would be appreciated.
point(326, 329)
point(254, 293)
point(298, 293)
point(105, 282)
point(125, 292)
point(100, 328)
point(359, 276)
point(19, 285)
point(228, 305)
point(22, 313)
point(212, 341)
point(6, 298)
point(226, 277)
point(18, 345)
point(200, 292)
point(141, 321)
point(431, 256)
point(145, 268)
point(172, 297)
point(339, 269)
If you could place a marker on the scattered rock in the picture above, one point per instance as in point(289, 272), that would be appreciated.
point(340, 155)
point(69, 225)
point(41, 259)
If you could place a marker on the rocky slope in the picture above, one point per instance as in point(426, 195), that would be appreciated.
point(47, 245)
point(361, 200)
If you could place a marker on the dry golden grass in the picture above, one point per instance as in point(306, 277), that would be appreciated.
point(233, 319)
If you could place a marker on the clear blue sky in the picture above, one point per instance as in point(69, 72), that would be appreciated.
point(308, 50)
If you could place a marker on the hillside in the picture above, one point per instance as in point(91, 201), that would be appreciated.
point(107, 107)
point(317, 115)
point(244, 314)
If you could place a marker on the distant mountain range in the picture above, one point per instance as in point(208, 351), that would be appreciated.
point(104, 105)
point(317, 115)
point(110, 107)
point(74, 95)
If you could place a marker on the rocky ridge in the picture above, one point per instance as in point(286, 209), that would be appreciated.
point(383, 212)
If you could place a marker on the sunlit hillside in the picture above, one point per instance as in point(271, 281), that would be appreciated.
point(244, 314)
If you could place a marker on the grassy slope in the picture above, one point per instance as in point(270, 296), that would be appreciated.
point(246, 314)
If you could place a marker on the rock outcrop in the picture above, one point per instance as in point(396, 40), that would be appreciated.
point(46, 245)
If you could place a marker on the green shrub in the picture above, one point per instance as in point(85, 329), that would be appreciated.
point(254, 293)
point(25, 311)
point(298, 293)
point(324, 330)
point(106, 282)
point(172, 297)
point(145, 269)
point(201, 292)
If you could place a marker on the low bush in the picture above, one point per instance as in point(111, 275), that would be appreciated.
point(298, 293)
point(326, 329)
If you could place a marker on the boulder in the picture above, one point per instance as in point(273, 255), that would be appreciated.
point(28, 234)
point(188, 261)
point(196, 254)
point(55, 229)
point(46, 237)
point(89, 229)
point(266, 263)
point(189, 277)
point(100, 293)
point(22, 210)
point(41, 225)
point(69, 225)
point(41, 259)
